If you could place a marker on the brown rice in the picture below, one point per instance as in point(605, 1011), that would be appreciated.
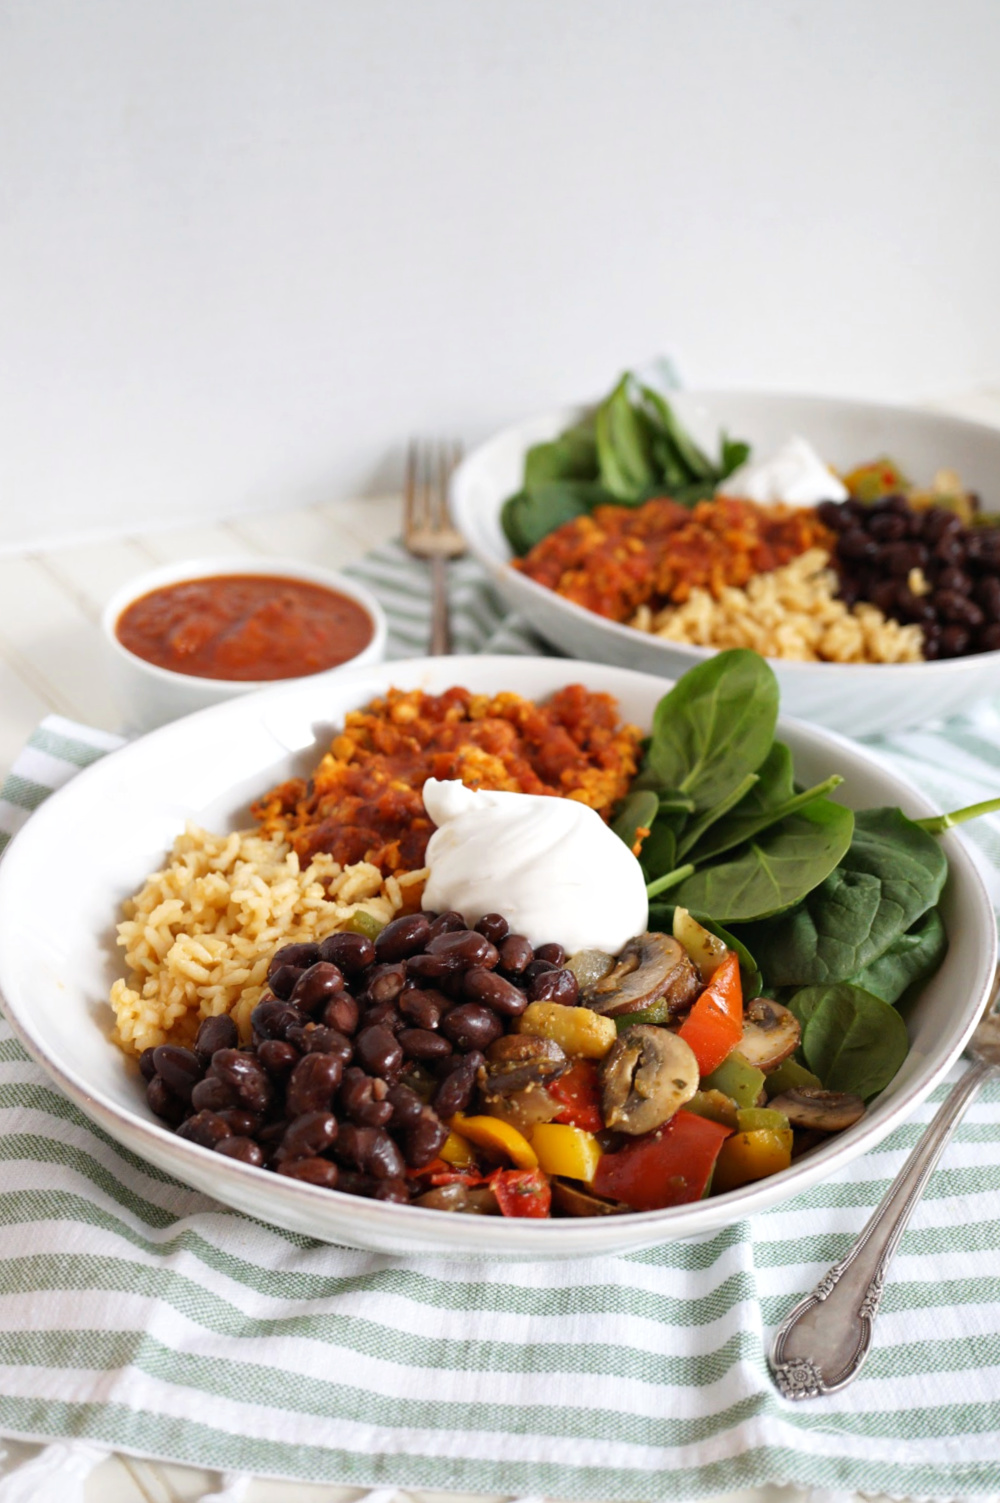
point(791, 612)
point(199, 936)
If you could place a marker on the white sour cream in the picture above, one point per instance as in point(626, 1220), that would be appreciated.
point(551, 866)
point(796, 474)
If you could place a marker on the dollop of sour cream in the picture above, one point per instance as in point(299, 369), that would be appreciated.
point(796, 475)
point(550, 865)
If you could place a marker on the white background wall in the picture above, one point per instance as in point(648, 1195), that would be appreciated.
point(249, 245)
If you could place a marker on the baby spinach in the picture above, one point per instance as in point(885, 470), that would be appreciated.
point(892, 874)
point(698, 828)
point(571, 456)
point(851, 1039)
point(638, 812)
point(912, 957)
point(714, 726)
point(624, 446)
point(770, 798)
point(529, 516)
point(772, 873)
point(936, 824)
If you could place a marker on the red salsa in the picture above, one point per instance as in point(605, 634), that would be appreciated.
point(245, 627)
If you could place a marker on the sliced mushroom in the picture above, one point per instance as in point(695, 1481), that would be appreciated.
point(645, 1077)
point(467, 1200)
point(770, 1034)
point(573, 1200)
point(650, 966)
point(518, 1060)
point(524, 1109)
point(819, 1111)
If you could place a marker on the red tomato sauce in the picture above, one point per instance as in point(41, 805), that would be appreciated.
point(245, 627)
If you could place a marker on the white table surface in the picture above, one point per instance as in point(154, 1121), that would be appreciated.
point(51, 660)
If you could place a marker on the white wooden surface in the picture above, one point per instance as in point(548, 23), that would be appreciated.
point(51, 659)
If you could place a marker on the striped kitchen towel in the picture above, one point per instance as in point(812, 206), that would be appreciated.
point(137, 1315)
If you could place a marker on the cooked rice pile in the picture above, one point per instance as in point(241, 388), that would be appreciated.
point(199, 936)
point(792, 612)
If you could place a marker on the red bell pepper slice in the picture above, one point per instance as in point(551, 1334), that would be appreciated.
point(714, 1026)
point(522, 1192)
point(579, 1094)
point(668, 1167)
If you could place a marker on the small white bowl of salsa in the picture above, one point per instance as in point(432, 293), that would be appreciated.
point(195, 633)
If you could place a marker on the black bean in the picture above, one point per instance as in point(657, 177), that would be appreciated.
point(342, 1012)
point(371, 1150)
point(364, 1099)
point(554, 954)
point(215, 1033)
point(987, 548)
point(282, 981)
point(241, 1124)
point(536, 968)
point(456, 1089)
point(889, 527)
point(464, 948)
point(205, 1128)
point(833, 515)
point(272, 1019)
point(353, 953)
point(989, 638)
point(950, 578)
point(950, 549)
point(899, 558)
point(213, 1095)
point(308, 1136)
point(913, 607)
point(317, 985)
point(480, 985)
point(314, 1038)
point(885, 596)
point(446, 923)
point(856, 545)
point(494, 927)
point(471, 1026)
point(422, 1009)
point(953, 607)
point(938, 523)
point(313, 1171)
point(385, 982)
point(278, 1057)
point(402, 937)
point(406, 1106)
point(555, 986)
point(378, 1051)
point(954, 641)
point(987, 595)
point(516, 954)
point(395, 1190)
point(246, 1076)
point(243, 1149)
point(383, 1015)
point(164, 1103)
point(848, 590)
point(147, 1069)
point(424, 1138)
point(422, 1043)
point(432, 968)
point(300, 955)
point(312, 1084)
point(181, 1069)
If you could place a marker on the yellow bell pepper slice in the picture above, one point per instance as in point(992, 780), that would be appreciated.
point(577, 1030)
point(457, 1151)
point(748, 1156)
point(496, 1137)
point(566, 1150)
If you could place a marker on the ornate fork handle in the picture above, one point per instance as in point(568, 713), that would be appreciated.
point(822, 1344)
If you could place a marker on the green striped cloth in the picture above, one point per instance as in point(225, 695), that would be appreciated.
point(137, 1315)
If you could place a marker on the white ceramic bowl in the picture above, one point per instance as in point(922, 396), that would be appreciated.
point(855, 698)
point(109, 828)
point(150, 696)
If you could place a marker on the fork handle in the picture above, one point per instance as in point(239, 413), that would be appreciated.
point(440, 633)
point(823, 1342)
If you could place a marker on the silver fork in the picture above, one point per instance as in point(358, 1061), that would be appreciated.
point(820, 1346)
point(428, 531)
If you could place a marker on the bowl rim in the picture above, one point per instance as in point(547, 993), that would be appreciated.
point(210, 566)
point(502, 568)
point(519, 1238)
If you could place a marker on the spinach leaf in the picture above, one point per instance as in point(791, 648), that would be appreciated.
point(851, 1039)
point(774, 872)
point(624, 446)
point(698, 828)
point(715, 726)
point(734, 452)
point(659, 849)
point(912, 957)
point(688, 460)
point(743, 826)
point(571, 456)
point(529, 516)
point(892, 874)
point(637, 813)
